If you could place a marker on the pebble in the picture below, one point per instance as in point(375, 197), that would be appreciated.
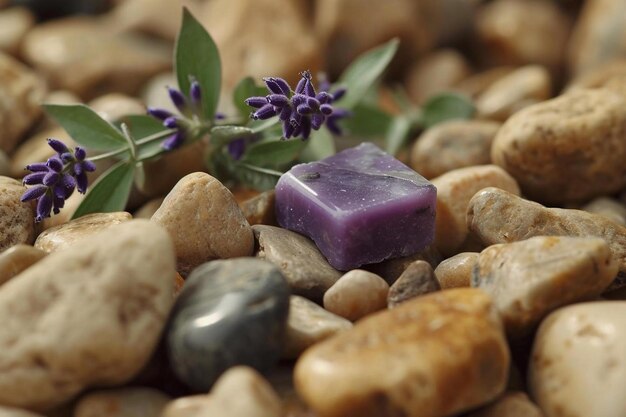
point(530, 278)
point(21, 93)
point(451, 145)
point(497, 216)
point(204, 222)
point(122, 402)
point(511, 404)
point(611, 75)
point(16, 259)
point(519, 89)
point(17, 219)
point(159, 18)
point(98, 324)
point(113, 107)
point(391, 269)
point(308, 324)
point(593, 334)
point(436, 355)
point(36, 148)
point(607, 207)
point(230, 312)
point(416, 280)
point(260, 209)
point(456, 271)
point(571, 148)
point(64, 235)
point(15, 22)
point(16, 412)
point(148, 209)
point(478, 83)
point(5, 164)
point(240, 392)
point(307, 271)
point(454, 191)
point(356, 294)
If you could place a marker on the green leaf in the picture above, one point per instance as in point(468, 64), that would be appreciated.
point(365, 71)
point(222, 135)
point(244, 89)
point(110, 191)
point(320, 145)
point(274, 154)
point(446, 106)
point(261, 179)
point(86, 127)
point(196, 56)
point(141, 127)
point(367, 121)
point(397, 134)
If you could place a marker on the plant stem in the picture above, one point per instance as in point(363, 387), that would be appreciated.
point(261, 170)
point(147, 139)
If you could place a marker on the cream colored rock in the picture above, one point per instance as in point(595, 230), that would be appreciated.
point(451, 145)
point(17, 219)
point(113, 106)
point(21, 94)
point(122, 402)
point(511, 404)
point(454, 191)
point(521, 88)
point(435, 73)
point(417, 279)
point(16, 259)
point(357, 294)
point(497, 216)
point(35, 149)
point(192, 406)
point(147, 210)
point(85, 227)
point(608, 207)
point(530, 278)
point(432, 356)
point(571, 148)
point(5, 164)
point(155, 91)
point(308, 324)
point(88, 315)
point(456, 271)
point(611, 76)
point(593, 334)
point(16, 412)
point(14, 23)
point(478, 83)
point(204, 222)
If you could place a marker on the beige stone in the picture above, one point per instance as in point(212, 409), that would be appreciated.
point(530, 278)
point(608, 207)
point(456, 271)
point(474, 85)
point(14, 23)
point(204, 222)
point(511, 404)
point(260, 209)
point(567, 149)
point(113, 106)
point(122, 402)
point(16, 259)
point(308, 324)
point(85, 227)
point(416, 280)
point(611, 76)
point(16, 412)
point(356, 294)
point(577, 368)
point(435, 73)
point(5, 164)
point(432, 356)
point(521, 88)
point(88, 315)
point(454, 191)
point(155, 92)
point(17, 219)
point(451, 145)
point(65, 215)
point(147, 210)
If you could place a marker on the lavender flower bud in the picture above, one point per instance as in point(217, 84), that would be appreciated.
point(331, 124)
point(55, 164)
point(171, 123)
point(80, 153)
point(317, 120)
point(33, 193)
point(67, 157)
point(309, 89)
point(34, 178)
point(51, 178)
point(304, 109)
point(157, 113)
point(82, 182)
point(58, 204)
point(305, 128)
point(275, 86)
point(173, 141)
point(178, 99)
point(301, 85)
point(57, 145)
point(264, 112)
point(313, 103)
point(278, 100)
point(298, 99)
point(288, 130)
point(323, 97)
point(340, 92)
point(195, 92)
point(44, 206)
point(326, 109)
point(38, 167)
point(219, 116)
point(256, 102)
point(89, 166)
point(285, 114)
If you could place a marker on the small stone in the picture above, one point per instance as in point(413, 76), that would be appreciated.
point(609, 208)
point(16, 259)
point(230, 312)
point(357, 294)
point(456, 271)
point(5, 164)
point(113, 107)
point(309, 324)
point(436, 355)
point(62, 236)
point(593, 334)
point(71, 205)
point(36, 148)
point(418, 279)
point(88, 315)
point(568, 149)
point(478, 83)
point(122, 402)
point(308, 273)
point(451, 145)
point(147, 210)
point(155, 17)
point(260, 209)
point(16, 412)
point(511, 404)
point(454, 192)
point(611, 75)
point(204, 222)
point(391, 269)
point(530, 278)
point(17, 219)
point(15, 22)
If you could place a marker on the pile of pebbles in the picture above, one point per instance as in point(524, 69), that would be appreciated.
point(193, 303)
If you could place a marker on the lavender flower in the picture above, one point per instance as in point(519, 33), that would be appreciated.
point(299, 111)
point(54, 181)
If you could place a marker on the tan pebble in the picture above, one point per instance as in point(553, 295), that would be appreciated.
point(391, 269)
point(609, 208)
point(5, 164)
point(16, 412)
point(113, 106)
point(15, 22)
point(17, 219)
point(204, 222)
point(122, 402)
point(567, 149)
point(308, 323)
point(71, 205)
point(155, 90)
point(357, 294)
point(62, 236)
point(456, 271)
point(593, 334)
point(476, 84)
point(192, 406)
point(436, 355)
point(511, 404)
point(611, 75)
point(418, 279)
point(454, 191)
point(451, 145)
point(16, 259)
point(36, 148)
point(530, 278)
point(260, 209)
point(148, 209)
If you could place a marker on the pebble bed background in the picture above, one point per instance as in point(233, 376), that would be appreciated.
point(517, 310)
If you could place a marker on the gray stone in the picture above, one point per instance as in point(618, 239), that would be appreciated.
point(418, 279)
point(17, 219)
point(16, 259)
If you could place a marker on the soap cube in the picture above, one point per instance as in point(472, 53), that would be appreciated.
point(359, 206)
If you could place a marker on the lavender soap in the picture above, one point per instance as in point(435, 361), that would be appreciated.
point(359, 206)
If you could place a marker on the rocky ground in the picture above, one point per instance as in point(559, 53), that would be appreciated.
point(516, 310)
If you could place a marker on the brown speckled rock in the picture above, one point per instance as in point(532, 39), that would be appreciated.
point(16, 259)
point(571, 148)
point(356, 294)
point(417, 279)
point(432, 356)
point(17, 219)
point(456, 271)
point(122, 402)
point(511, 404)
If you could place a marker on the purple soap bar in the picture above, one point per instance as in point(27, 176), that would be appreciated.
point(359, 206)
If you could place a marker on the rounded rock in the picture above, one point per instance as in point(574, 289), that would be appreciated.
point(511, 404)
point(17, 219)
point(357, 294)
point(16, 259)
point(456, 271)
point(607, 207)
point(122, 402)
point(416, 280)
point(16, 412)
